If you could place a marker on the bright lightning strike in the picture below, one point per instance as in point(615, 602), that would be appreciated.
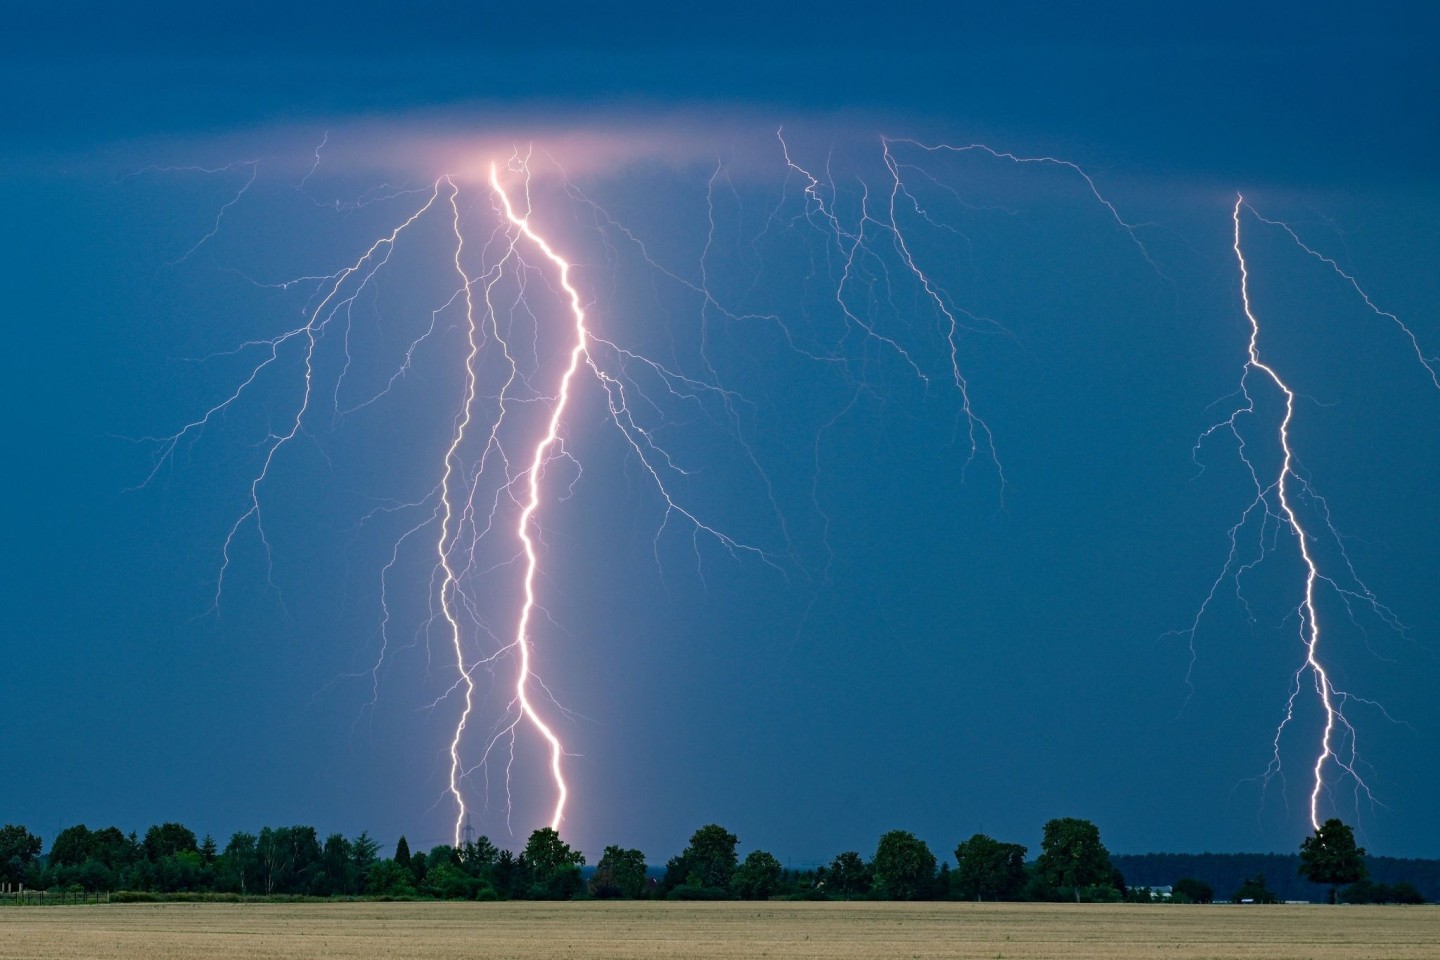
point(523, 342)
point(533, 476)
point(507, 446)
point(1277, 506)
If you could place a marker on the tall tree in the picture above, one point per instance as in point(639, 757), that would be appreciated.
point(18, 849)
point(1330, 856)
point(904, 867)
point(337, 871)
point(111, 847)
point(554, 867)
point(1073, 856)
point(72, 847)
point(240, 863)
point(620, 873)
point(364, 852)
point(709, 861)
point(478, 856)
point(288, 858)
point(989, 869)
point(758, 878)
point(848, 874)
point(168, 839)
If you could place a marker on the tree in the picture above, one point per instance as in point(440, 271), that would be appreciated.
point(1073, 856)
point(336, 873)
point(848, 874)
point(444, 854)
point(1254, 890)
point(709, 861)
point(478, 856)
point(944, 886)
point(1330, 856)
point(758, 877)
point(448, 881)
point(288, 858)
point(1363, 891)
point(240, 863)
point(167, 840)
point(990, 869)
point(72, 847)
point(1188, 889)
point(364, 853)
point(402, 851)
point(620, 873)
point(904, 867)
point(18, 848)
point(390, 878)
point(112, 848)
point(507, 875)
point(554, 868)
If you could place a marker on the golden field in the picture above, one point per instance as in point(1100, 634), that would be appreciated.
point(539, 931)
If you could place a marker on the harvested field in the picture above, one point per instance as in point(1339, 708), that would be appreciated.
point(536, 931)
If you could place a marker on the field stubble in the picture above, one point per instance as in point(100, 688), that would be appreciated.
point(832, 931)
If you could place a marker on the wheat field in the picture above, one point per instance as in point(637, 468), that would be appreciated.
point(536, 931)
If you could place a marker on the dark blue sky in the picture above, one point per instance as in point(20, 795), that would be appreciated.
point(929, 659)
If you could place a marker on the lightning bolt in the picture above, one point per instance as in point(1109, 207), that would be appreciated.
point(492, 483)
point(542, 453)
point(1277, 501)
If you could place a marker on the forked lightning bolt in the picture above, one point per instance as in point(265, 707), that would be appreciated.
point(542, 454)
point(510, 299)
point(492, 473)
point(1278, 500)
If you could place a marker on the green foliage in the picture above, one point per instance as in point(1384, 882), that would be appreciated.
point(620, 873)
point(758, 878)
point(553, 868)
point(239, 865)
point(1101, 893)
point(1364, 891)
point(448, 881)
point(288, 857)
point(1330, 856)
point(391, 878)
point(18, 847)
point(509, 876)
point(168, 839)
point(1190, 890)
point(478, 856)
point(72, 846)
point(848, 875)
point(441, 855)
point(1073, 857)
point(904, 867)
point(364, 854)
point(402, 850)
point(336, 871)
point(1254, 890)
point(709, 861)
point(290, 863)
point(989, 869)
point(688, 891)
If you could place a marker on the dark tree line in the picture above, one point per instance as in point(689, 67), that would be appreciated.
point(1286, 877)
point(1073, 864)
